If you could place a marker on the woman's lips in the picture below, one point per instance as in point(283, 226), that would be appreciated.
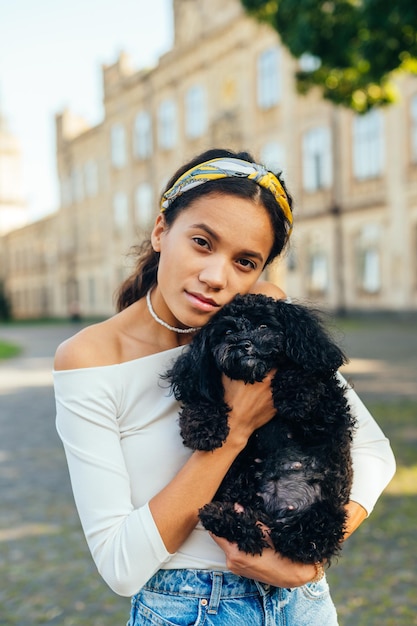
point(202, 303)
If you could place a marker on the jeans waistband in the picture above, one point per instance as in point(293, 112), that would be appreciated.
point(212, 585)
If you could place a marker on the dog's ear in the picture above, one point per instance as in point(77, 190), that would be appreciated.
point(194, 375)
point(308, 343)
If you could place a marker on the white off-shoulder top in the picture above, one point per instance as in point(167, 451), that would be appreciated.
point(119, 427)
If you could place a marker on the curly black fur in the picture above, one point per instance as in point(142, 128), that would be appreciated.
point(295, 473)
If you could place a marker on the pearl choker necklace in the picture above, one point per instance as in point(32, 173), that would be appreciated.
point(184, 331)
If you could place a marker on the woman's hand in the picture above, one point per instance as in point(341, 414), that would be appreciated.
point(270, 568)
point(251, 405)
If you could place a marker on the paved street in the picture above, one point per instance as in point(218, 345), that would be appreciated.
point(383, 356)
point(46, 571)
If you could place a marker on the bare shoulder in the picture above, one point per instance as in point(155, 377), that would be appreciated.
point(93, 346)
point(268, 289)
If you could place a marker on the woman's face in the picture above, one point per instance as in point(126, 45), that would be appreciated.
point(215, 249)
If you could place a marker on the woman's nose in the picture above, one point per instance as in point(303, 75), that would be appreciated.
point(214, 274)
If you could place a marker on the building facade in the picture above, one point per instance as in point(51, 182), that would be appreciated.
point(226, 82)
point(13, 210)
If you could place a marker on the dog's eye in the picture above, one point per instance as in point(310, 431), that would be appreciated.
point(262, 326)
point(229, 332)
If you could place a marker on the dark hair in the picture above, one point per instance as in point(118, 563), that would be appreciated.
point(144, 276)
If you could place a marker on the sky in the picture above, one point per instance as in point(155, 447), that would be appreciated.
point(51, 54)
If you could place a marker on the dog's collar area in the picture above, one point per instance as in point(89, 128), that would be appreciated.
point(183, 331)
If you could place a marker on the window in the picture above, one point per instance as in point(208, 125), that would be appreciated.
point(120, 211)
point(269, 88)
point(142, 138)
point(291, 260)
point(368, 147)
point(318, 272)
point(414, 129)
point(273, 156)
point(317, 159)
point(77, 185)
point(66, 192)
point(167, 124)
point(195, 112)
point(91, 179)
point(118, 146)
point(144, 206)
point(368, 257)
point(371, 273)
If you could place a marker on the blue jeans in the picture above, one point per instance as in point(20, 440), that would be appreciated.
point(211, 598)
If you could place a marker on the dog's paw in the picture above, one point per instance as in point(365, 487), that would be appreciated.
point(202, 441)
point(203, 429)
point(235, 524)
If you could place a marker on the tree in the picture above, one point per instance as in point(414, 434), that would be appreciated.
point(355, 47)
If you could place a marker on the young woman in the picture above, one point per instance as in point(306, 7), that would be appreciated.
point(223, 219)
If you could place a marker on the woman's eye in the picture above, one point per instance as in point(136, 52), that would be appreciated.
point(247, 264)
point(200, 242)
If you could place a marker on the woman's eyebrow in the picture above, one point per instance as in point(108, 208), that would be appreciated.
point(207, 229)
point(216, 237)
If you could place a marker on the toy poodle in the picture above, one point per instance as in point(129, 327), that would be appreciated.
point(295, 473)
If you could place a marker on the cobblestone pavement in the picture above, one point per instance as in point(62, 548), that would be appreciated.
point(46, 572)
point(47, 575)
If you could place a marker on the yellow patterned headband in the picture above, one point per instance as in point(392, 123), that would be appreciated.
point(225, 168)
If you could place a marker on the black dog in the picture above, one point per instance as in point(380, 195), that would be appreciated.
point(294, 475)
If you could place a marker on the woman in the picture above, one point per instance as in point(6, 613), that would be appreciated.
point(137, 488)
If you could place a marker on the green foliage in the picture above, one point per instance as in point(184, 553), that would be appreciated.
point(358, 44)
point(8, 350)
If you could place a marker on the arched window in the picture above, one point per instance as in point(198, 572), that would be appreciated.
point(317, 159)
point(269, 79)
point(142, 137)
point(195, 112)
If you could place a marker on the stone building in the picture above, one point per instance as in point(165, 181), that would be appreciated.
point(13, 211)
point(29, 268)
point(228, 82)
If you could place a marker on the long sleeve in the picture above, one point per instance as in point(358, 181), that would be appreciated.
point(123, 539)
point(372, 456)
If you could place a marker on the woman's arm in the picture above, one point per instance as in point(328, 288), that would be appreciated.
point(356, 514)
point(372, 456)
point(123, 540)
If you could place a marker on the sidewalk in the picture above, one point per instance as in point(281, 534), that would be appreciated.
point(383, 357)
